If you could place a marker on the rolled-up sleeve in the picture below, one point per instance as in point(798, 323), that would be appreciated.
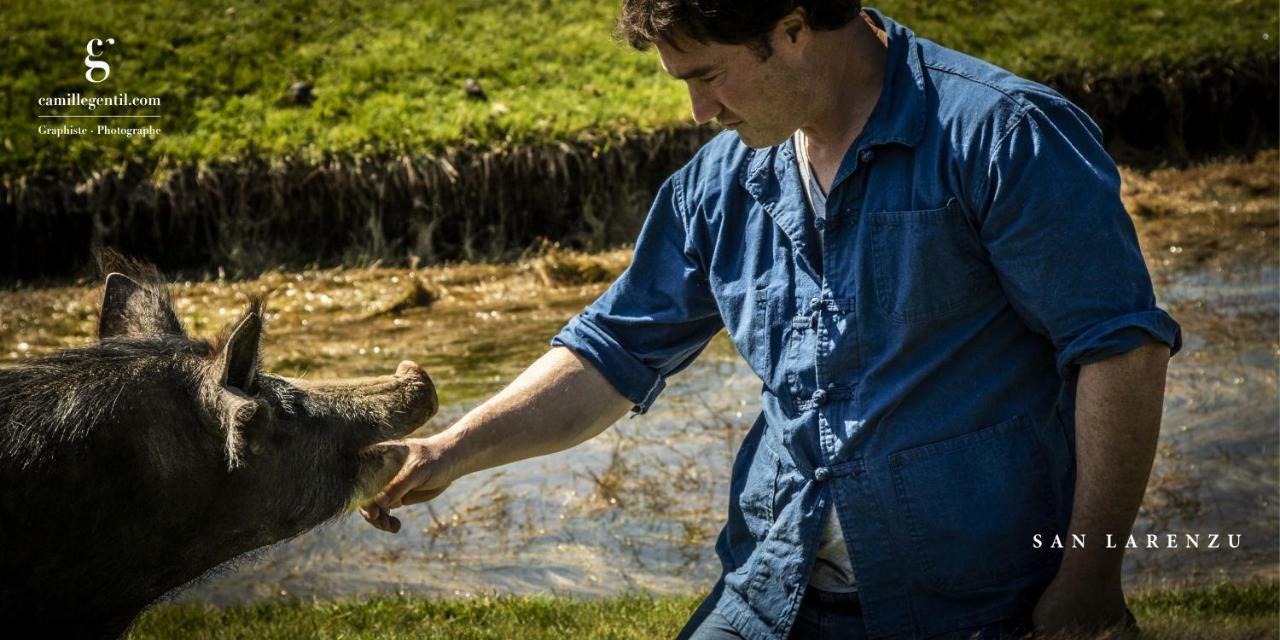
point(657, 317)
point(1063, 246)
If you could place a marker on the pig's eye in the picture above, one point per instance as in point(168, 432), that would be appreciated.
point(282, 395)
point(263, 418)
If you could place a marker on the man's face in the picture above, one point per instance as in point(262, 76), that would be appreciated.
point(761, 100)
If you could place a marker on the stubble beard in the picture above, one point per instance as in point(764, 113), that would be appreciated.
point(756, 141)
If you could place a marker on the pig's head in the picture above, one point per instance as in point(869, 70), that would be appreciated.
point(264, 457)
point(133, 465)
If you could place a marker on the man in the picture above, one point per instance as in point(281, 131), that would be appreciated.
point(927, 262)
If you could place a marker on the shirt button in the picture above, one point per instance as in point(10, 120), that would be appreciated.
point(814, 304)
point(821, 474)
point(820, 397)
point(867, 155)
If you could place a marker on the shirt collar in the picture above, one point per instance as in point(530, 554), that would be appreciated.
point(898, 116)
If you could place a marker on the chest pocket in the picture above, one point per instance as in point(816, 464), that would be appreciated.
point(928, 264)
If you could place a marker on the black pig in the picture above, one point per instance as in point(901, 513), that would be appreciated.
point(132, 466)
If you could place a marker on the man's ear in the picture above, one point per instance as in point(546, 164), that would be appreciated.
point(792, 24)
point(236, 361)
point(130, 309)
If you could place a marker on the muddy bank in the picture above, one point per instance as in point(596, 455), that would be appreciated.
point(459, 204)
point(474, 204)
point(1171, 116)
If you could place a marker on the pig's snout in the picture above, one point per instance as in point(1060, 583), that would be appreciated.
point(427, 401)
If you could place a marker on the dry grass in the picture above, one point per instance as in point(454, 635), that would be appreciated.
point(1210, 214)
point(416, 296)
point(557, 266)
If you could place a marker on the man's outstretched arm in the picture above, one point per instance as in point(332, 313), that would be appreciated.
point(559, 401)
point(1118, 405)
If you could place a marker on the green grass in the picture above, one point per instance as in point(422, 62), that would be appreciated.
point(388, 75)
point(1221, 611)
point(637, 616)
point(1224, 610)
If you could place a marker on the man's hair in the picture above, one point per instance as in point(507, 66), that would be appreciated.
point(643, 22)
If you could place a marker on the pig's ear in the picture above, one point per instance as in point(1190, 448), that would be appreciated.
point(130, 309)
point(236, 411)
point(236, 361)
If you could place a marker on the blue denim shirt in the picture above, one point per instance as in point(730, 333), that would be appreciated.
point(918, 348)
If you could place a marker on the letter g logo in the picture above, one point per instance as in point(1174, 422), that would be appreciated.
point(96, 64)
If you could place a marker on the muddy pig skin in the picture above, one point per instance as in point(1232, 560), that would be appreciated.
point(132, 466)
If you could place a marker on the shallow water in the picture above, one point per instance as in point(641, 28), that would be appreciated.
point(1218, 464)
point(638, 508)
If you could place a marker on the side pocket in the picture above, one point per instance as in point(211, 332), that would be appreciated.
point(972, 503)
point(758, 490)
point(763, 499)
point(751, 488)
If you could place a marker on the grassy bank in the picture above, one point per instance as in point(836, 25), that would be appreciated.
point(391, 156)
point(389, 77)
point(1220, 611)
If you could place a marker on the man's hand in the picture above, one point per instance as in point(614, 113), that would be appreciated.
point(559, 401)
point(425, 474)
point(1068, 609)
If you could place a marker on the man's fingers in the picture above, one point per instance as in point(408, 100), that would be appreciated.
point(388, 523)
point(380, 518)
point(404, 482)
point(373, 514)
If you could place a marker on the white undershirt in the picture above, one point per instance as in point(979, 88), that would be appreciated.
point(833, 570)
point(817, 199)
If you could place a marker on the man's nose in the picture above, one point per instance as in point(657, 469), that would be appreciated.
point(705, 107)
